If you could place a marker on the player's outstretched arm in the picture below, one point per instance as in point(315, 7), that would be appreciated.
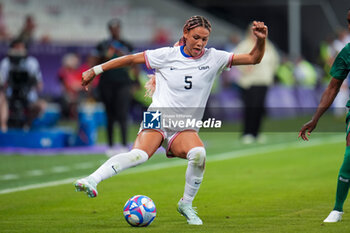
point(256, 54)
point(119, 62)
point(327, 99)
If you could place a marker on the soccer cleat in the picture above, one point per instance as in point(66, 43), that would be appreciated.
point(86, 185)
point(187, 210)
point(334, 216)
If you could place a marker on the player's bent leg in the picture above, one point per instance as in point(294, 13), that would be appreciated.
point(194, 173)
point(120, 162)
point(111, 167)
point(148, 141)
point(190, 143)
point(194, 176)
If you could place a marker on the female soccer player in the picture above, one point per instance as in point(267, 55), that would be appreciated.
point(339, 71)
point(184, 77)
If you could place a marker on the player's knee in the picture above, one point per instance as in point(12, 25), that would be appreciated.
point(197, 156)
point(138, 155)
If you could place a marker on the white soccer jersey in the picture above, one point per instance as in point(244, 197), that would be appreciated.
point(183, 81)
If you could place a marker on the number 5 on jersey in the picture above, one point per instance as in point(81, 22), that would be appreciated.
point(188, 82)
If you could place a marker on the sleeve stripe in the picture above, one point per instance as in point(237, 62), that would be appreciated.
point(229, 64)
point(147, 62)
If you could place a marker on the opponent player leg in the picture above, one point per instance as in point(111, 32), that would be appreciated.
point(342, 187)
point(147, 142)
point(188, 145)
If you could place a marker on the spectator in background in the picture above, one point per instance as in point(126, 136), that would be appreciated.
point(70, 77)
point(305, 73)
point(3, 107)
point(3, 29)
point(326, 58)
point(230, 78)
point(27, 32)
point(342, 39)
point(254, 82)
point(22, 78)
point(90, 60)
point(161, 37)
point(115, 85)
point(233, 40)
point(285, 72)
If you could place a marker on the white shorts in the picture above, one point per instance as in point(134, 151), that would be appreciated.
point(168, 135)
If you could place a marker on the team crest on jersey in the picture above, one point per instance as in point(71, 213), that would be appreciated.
point(152, 120)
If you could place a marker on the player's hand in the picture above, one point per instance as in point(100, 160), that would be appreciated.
point(307, 129)
point(87, 78)
point(259, 30)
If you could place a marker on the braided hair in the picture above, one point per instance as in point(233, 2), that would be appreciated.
point(193, 22)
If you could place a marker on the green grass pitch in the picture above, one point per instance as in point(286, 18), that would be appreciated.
point(284, 185)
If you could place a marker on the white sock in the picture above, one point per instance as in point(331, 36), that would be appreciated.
point(194, 173)
point(118, 163)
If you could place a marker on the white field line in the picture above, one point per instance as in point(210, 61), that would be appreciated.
point(35, 186)
point(35, 173)
point(9, 177)
point(85, 165)
point(60, 169)
point(57, 169)
point(219, 157)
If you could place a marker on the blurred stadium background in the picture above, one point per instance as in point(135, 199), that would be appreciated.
point(303, 31)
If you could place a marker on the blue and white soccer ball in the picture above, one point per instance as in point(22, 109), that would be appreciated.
point(140, 211)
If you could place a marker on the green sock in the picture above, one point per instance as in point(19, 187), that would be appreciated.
point(343, 182)
point(342, 192)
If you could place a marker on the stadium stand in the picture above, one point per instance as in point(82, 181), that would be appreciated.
point(82, 21)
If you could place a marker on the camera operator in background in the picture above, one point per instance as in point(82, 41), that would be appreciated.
point(22, 81)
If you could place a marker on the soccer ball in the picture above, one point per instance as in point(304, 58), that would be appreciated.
point(139, 211)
